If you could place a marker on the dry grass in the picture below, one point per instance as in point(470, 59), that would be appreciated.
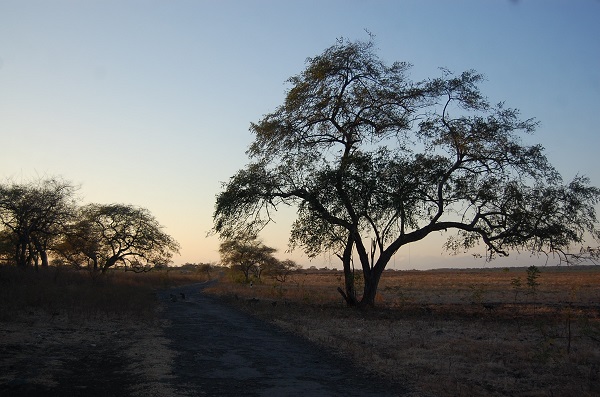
point(451, 332)
point(447, 333)
point(59, 321)
point(83, 295)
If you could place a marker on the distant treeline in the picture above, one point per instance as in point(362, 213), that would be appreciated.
point(41, 224)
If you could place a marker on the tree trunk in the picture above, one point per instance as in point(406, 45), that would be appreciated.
point(92, 264)
point(109, 263)
point(246, 271)
point(370, 289)
point(21, 253)
point(372, 277)
point(350, 293)
point(43, 255)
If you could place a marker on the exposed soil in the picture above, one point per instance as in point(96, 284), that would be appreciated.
point(59, 360)
point(199, 347)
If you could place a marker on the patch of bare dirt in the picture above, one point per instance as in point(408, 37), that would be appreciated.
point(41, 354)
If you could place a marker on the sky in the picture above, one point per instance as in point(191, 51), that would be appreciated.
point(149, 102)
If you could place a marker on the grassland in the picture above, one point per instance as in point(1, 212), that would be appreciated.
point(451, 332)
point(445, 332)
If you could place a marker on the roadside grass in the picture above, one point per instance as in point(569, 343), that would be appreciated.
point(58, 291)
point(59, 321)
point(450, 332)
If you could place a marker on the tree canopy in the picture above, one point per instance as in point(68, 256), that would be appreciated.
point(32, 217)
point(117, 234)
point(374, 161)
point(247, 253)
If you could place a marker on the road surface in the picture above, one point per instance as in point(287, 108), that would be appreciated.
point(224, 352)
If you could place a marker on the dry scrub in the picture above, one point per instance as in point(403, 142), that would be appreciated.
point(451, 332)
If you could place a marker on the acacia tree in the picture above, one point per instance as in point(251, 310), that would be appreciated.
point(248, 253)
point(375, 161)
point(280, 270)
point(107, 235)
point(33, 216)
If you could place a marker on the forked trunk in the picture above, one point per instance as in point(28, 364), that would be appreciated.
point(41, 250)
point(372, 276)
point(370, 289)
point(350, 293)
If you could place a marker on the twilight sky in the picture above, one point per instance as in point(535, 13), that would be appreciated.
point(148, 102)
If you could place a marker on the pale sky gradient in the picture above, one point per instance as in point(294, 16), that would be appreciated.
point(149, 102)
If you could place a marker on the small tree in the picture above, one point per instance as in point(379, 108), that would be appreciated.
point(533, 273)
point(205, 268)
point(248, 253)
point(280, 270)
point(516, 285)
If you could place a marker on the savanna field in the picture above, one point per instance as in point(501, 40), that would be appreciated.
point(491, 332)
point(451, 332)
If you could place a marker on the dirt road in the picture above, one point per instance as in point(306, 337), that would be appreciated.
point(199, 347)
point(224, 352)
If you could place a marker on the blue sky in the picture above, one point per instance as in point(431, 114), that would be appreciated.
point(149, 102)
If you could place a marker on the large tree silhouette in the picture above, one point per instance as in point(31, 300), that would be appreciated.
point(375, 161)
